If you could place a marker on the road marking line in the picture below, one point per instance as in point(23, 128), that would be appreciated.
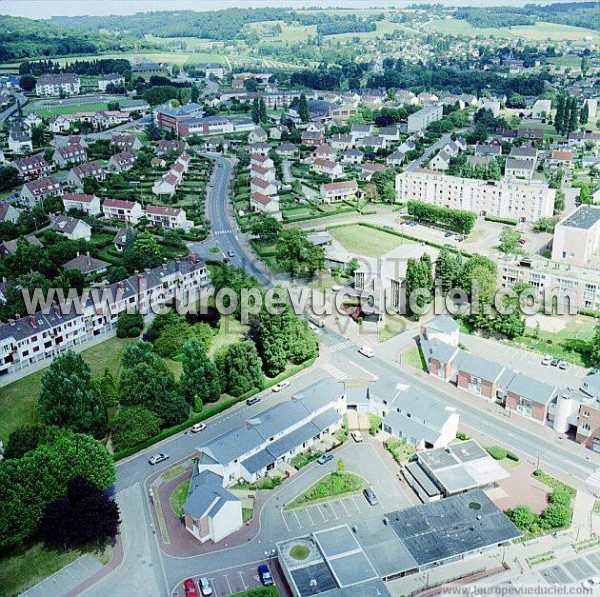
point(363, 369)
point(344, 506)
point(285, 521)
point(297, 519)
point(325, 519)
point(228, 583)
point(333, 510)
point(308, 514)
point(243, 581)
point(357, 506)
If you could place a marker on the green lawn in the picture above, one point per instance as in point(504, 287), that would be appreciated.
point(365, 241)
point(413, 357)
point(259, 592)
point(18, 399)
point(29, 564)
point(330, 486)
point(230, 331)
point(179, 496)
point(392, 326)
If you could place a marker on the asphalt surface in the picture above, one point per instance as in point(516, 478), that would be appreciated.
point(156, 573)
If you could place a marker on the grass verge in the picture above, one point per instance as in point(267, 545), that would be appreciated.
point(334, 484)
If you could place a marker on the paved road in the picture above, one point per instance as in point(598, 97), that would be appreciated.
point(429, 152)
point(19, 97)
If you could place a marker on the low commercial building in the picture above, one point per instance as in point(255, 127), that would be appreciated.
point(523, 201)
point(355, 561)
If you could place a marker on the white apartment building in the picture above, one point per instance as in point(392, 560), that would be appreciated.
point(58, 84)
point(41, 337)
point(115, 79)
point(523, 201)
point(577, 236)
point(420, 120)
point(125, 211)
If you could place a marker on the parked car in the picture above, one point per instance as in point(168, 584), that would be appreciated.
point(189, 587)
point(593, 371)
point(547, 359)
point(231, 253)
point(367, 351)
point(198, 427)
point(325, 458)
point(205, 587)
point(265, 575)
point(448, 234)
point(157, 458)
point(563, 365)
point(282, 385)
point(555, 361)
point(591, 583)
point(253, 400)
point(371, 496)
point(522, 241)
point(357, 436)
point(313, 328)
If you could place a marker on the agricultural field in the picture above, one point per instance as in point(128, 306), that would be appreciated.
point(539, 31)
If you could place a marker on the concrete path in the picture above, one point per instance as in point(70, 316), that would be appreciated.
point(68, 578)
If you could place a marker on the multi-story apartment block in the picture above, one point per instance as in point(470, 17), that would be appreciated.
point(577, 236)
point(419, 121)
point(125, 211)
point(58, 84)
point(523, 201)
point(41, 337)
point(115, 79)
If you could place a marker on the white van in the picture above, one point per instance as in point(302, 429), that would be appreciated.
point(367, 351)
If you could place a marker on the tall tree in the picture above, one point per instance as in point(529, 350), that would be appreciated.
point(447, 269)
point(303, 112)
point(262, 111)
point(573, 123)
point(255, 112)
point(199, 381)
point(240, 368)
point(584, 114)
point(68, 397)
point(559, 119)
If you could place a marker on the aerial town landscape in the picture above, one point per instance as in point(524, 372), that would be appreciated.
point(299, 298)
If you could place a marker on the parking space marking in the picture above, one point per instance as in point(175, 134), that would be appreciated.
point(309, 516)
point(341, 503)
point(243, 581)
point(357, 506)
point(226, 577)
point(354, 504)
point(325, 519)
point(297, 519)
point(287, 526)
point(332, 509)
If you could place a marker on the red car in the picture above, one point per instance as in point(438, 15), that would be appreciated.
point(190, 588)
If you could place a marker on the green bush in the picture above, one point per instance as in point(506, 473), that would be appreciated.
point(496, 452)
point(462, 436)
point(498, 220)
point(133, 425)
point(512, 456)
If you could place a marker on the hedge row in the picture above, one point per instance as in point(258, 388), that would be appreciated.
point(208, 412)
point(498, 220)
point(455, 219)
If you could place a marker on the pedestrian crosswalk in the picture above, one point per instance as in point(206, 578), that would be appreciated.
point(334, 371)
point(342, 345)
point(594, 480)
point(221, 232)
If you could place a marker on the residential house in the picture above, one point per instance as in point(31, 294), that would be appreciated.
point(360, 131)
point(9, 247)
point(390, 133)
point(339, 191)
point(519, 168)
point(166, 187)
point(165, 146)
point(72, 228)
point(488, 149)
point(35, 191)
point(78, 174)
point(263, 186)
point(327, 168)
point(125, 211)
point(369, 169)
point(352, 156)
point(120, 240)
point(541, 109)
point(88, 266)
point(264, 203)
point(287, 150)
point(59, 124)
point(258, 171)
point(8, 213)
point(341, 142)
point(261, 160)
point(312, 138)
point(19, 140)
point(441, 161)
point(169, 218)
point(259, 149)
point(324, 152)
point(561, 159)
point(524, 152)
point(121, 162)
point(32, 120)
point(373, 142)
point(89, 204)
point(258, 135)
point(115, 79)
point(69, 155)
point(125, 142)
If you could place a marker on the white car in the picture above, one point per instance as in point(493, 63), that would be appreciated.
point(591, 583)
point(158, 458)
point(357, 436)
point(198, 427)
point(205, 587)
point(282, 385)
point(367, 351)
point(547, 359)
point(313, 328)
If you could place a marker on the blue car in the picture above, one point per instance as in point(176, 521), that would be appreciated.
point(265, 575)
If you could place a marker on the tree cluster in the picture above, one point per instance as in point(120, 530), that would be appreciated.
point(455, 219)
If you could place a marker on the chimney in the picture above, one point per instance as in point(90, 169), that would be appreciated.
point(32, 321)
point(121, 285)
point(11, 321)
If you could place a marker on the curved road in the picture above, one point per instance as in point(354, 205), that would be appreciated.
point(155, 573)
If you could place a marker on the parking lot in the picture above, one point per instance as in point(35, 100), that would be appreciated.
point(340, 510)
point(235, 580)
point(572, 571)
point(528, 363)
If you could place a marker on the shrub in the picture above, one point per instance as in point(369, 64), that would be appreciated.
point(129, 325)
point(496, 452)
point(512, 456)
point(133, 425)
point(561, 495)
point(462, 436)
point(557, 516)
